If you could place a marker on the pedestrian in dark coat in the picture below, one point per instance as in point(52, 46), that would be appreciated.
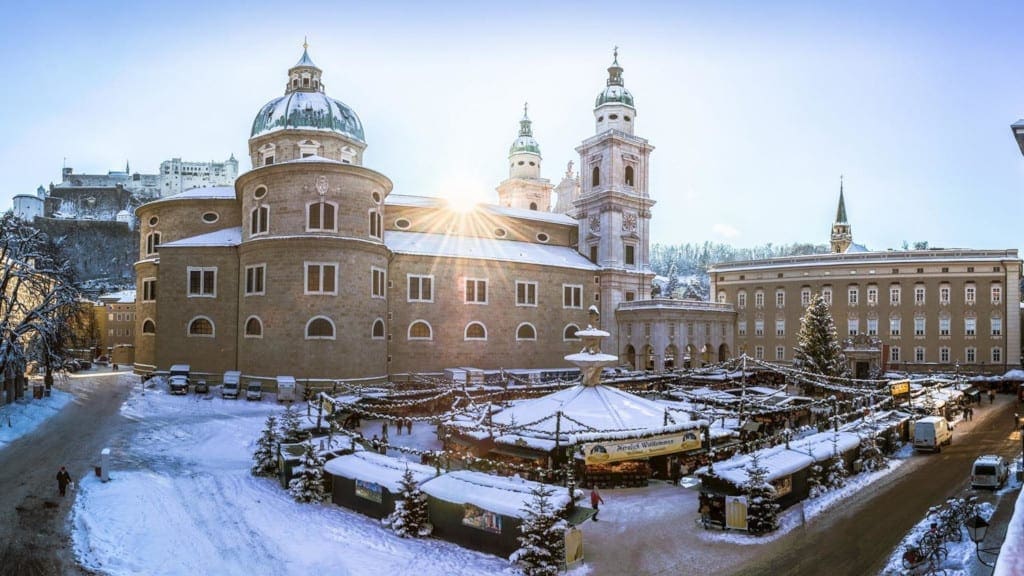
point(63, 479)
point(991, 395)
point(384, 429)
point(408, 426)
point(595, 499)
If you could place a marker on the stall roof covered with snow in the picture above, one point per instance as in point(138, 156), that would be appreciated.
point(778, 460)
point(377, 468)
point(589, 409)
point(504, 495)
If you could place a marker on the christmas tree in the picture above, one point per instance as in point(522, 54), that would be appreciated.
point(835, 469)
point(762, 509)
point(290, 422)
point(673, 282)
point(308, 484)
point(818, 350)
point(542, 536)
point(814, 481)
point(265, 457)
point(871, 454)
point(410, 516)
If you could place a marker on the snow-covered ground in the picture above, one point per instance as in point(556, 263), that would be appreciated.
point(22, 417)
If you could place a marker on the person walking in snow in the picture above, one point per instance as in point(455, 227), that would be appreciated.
point(595, 499)
point(408, 426)
point(991, 395)
point(63, 479)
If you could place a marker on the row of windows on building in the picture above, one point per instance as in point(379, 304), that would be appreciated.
point(853, 295)
point(323, 328)
point(691, 329)
point(853, 326)
point(119, 331)
point(121, 316)
point(919, 355)
point(321, 278)
point(595, 172)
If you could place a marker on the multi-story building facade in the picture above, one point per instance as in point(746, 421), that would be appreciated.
point(916, 310)
point(114, 315)
point(311, 266)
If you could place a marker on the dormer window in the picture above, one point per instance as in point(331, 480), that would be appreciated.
point(308, 148)
point(295, 82)
point(305, 82)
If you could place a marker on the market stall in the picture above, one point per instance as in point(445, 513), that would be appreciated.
point(369, 482)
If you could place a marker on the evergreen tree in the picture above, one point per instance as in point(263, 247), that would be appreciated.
point(762, 509)
point(871, 454)
point(814, 481)
point(542, 536)
point(290, 426)
point(672, 287)
point(410, 516)
point(308, 484)
point(265, 457)
point(835, 469)
point(818, 350)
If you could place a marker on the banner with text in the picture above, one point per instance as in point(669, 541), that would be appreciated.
point(615, 451)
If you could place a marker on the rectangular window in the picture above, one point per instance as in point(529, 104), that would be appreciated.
point(944, 326)
point(780, 352)
point(254, 279)
point(919, 326)
point(378, 282)
point(759, 299)
point(997, 355)
point(321, 278)
point(202, 282)
point(826, 295)
point(758, 327)
point(376, 224)
point(894, 354)
point(647, 329)
point(969, 293)
point(741, 327)
point(741, 299)
point(759, 352)
point(630, 255)
point(872, 295)
point(320, 217)
point(149, 290)
point(872, 326)
point(852, 295)
point(630, 296)
point(852, 326)
point(970, 326)
point(894, 326)
point(780, 299)
point(944, 355)
point(805, 297)
point(572, 296)
point(689, 329)
point(526, 293)
point(421, 288)
point(894, 295)
point(997, 294)
point(919, 295)
point(919, 354)
point(997, 326)
point(780, 327)
point(944, 292)
point(971, 355)
point(259, 220)
point(593, 254)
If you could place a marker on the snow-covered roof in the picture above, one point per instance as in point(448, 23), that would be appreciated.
point(596, 407)
point(425, 244)
point(442, 203)
point(503, 495)
point(209, 193)
point(225, 237)
point(378, 469)
point(778, 460)
point(315, 159)
point(819, 446)
point(855, 248)
point(121, 297)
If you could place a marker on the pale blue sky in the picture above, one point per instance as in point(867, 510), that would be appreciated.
point(755, 108)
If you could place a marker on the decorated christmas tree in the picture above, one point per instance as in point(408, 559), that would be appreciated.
point(762, 509)
point(542, 536)
point(409, 520)
point(290, 426)
point(265, 457)
point(835, 469)
point(308, 483)
point(818, 350)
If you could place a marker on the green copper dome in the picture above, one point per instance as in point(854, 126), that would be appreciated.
point(615, 92)
point(525, 143)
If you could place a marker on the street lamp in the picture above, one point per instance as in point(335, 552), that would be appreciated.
point(976, 529)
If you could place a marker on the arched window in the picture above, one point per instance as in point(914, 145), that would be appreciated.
point(377, 333)
point(629, 175)
point(476, 331)
point(570, 332)
point(259, 220)
point(200, 326)
point(320, 328)
point(375, 224)
point(320, 216)
point(149, 327)
point(526, 331)
point(533, 205)
point(595, 177)
point(420, 330)
point(253, 327)
point(152, 242)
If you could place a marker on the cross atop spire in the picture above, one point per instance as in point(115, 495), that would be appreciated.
point(615, 71)
point(305, 43)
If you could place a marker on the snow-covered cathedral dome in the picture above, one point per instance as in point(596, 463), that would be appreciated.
point(304, 106)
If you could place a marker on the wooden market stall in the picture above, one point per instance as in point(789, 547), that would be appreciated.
point(369, 483)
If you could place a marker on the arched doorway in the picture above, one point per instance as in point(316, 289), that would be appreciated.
point(629, 356)
point(723, 352)
point(670, 357)
point(648, 357)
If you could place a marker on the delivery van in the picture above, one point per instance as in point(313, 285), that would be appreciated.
point(253, 390)
point(231, 382)
point(989, 471)
point(931, 433)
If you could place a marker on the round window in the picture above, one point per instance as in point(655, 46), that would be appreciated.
point(402, 223)
point(613, 116)
point(626, 118)
point(376, 197)
point(542, 237)
point(153, 220)
point(520, 162)
point(260, 192)
point(500, 232)
point(210, 217)
point(532, 163)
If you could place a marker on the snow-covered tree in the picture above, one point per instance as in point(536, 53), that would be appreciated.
point(410, 516)
point(264, 459)
point(672, 286)
point(814, 481)
point(308, 483)
point(541, 536)
point(871, 454)
point(818, 350)
point(762, 509)
point(291, 431)
point(835, 469)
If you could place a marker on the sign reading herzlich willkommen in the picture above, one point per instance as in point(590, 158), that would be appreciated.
point(614, 451)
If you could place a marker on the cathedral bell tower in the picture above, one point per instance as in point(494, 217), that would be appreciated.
point(614, 206)
point(842, 235)
point(524, 188)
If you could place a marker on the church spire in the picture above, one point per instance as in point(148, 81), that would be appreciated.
point(841, 210)
point(842, 234)
point(525, 125)
point(615, 71)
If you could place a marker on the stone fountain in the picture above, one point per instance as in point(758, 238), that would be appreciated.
point(590, 360)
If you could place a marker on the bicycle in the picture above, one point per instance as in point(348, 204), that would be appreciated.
point(930, 549)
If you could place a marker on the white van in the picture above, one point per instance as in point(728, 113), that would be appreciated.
point(230, 387)
point(931, 433)
point(989, 471)
point(254, 390)
point(285, 388)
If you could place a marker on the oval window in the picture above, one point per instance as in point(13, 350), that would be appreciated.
point(626, 118)
point(260, 192)
point(376, 197)
point(520, 162)
point(210, 217)
point(542, 237)
point(402, 223)
point(532, 163)
point(613, 116)
point(600, 118)
point(153, 220)
point(500, 232)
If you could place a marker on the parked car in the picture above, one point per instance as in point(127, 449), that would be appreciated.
point(230, 387)
point(989, 471)
point(931, 433)
point(253, 390)
point(178, 384)
point(202, 387)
